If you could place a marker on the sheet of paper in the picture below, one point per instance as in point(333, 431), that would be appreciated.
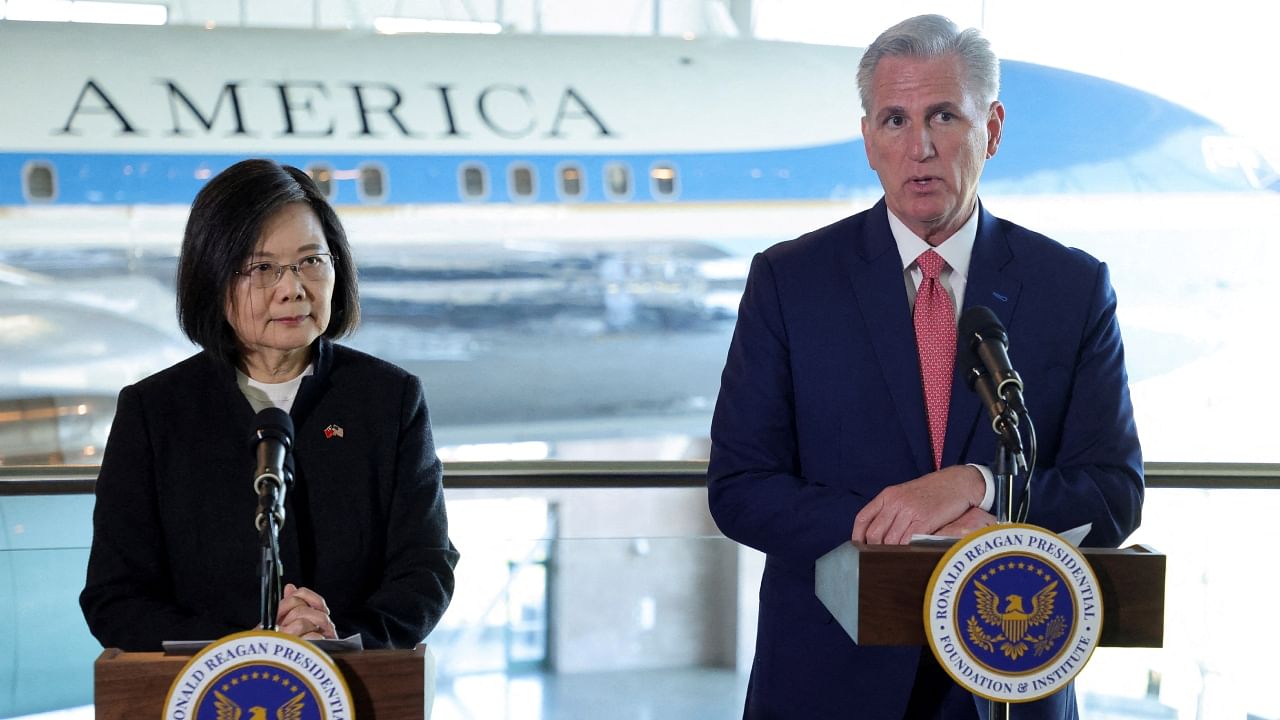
point(1075, 536)
point(191, 647)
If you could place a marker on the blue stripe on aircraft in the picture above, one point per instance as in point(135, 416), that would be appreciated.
point(1066, 132)
point(125, 178)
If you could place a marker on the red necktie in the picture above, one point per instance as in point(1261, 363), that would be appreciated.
point(935, 320)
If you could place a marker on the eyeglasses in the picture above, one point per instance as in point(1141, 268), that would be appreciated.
point(312, 267)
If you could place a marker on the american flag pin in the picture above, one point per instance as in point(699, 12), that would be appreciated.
point(333, 431)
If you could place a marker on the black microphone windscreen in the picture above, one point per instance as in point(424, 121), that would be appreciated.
point(979, 321)
point(973, 321)
point(273, 422)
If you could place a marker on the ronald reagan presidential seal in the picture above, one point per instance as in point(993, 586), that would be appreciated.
point(1013, 612)
point(259, 675)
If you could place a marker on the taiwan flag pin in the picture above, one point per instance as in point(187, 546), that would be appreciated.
point(333, 431)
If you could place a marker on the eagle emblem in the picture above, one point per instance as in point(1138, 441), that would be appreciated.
point(1015, 623)
point(228, 709)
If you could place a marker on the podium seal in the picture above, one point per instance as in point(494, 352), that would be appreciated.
point(259, 675)
point(1013, 612)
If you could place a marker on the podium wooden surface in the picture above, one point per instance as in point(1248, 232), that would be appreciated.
point(876, 592)
point(384, 684)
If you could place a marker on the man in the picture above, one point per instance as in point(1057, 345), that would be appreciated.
point(842, 415)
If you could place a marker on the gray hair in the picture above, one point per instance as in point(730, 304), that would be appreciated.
point(931, 36)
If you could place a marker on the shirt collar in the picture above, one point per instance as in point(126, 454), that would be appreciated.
point(956, 249)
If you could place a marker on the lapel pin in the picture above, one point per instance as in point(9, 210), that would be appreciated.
point(333, 431)
point(998, 296)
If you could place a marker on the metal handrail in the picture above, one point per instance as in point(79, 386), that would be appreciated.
point(549, 474)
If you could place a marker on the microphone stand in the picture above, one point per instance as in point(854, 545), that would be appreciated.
point(271, 490)
point(1009, 456)
point(1009, 460)
point(991, 376)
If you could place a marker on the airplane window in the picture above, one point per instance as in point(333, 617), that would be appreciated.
point(663, 178)
point(617, 180)
point(475, 184)
point(523, 185)
point(373, 184)
point(323, 175)
point(570, 182)
point(39, 181)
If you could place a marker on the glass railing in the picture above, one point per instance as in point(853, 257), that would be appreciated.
point(46, 651)
point(1219, 654)
point(589, 593)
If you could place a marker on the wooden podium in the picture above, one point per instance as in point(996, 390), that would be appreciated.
point(384, 684)
point(876, 592)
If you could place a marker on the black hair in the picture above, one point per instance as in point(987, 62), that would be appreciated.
point(223, 230)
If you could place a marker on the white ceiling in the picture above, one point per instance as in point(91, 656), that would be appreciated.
point(667, 17)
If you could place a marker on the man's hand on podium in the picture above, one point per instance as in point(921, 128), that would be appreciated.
point(920, 507)
point(973, 519)
point(304, 613)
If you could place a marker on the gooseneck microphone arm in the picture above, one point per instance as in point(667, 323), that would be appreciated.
point(984, 350)
point(1004, 419)
point(272, 442)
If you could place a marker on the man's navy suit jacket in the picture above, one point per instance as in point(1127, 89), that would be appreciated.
point(821, 408)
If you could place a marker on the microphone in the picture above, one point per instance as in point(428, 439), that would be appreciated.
point(991, 375)
point(984, 350)
point(985, 346)
point(272, 441)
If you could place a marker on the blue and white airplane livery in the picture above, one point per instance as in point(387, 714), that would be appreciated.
point(131, 117)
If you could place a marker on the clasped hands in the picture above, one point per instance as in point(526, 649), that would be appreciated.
point(944, 502)
point(304, 613)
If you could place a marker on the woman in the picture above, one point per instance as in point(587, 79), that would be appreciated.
point(265, 283)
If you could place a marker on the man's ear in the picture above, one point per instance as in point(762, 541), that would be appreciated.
point(866, 146)
point(995, 127)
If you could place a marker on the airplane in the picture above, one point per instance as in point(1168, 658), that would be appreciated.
point(592, 189)
point(552, 231)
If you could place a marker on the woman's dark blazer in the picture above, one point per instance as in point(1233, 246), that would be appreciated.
point(175, 552)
